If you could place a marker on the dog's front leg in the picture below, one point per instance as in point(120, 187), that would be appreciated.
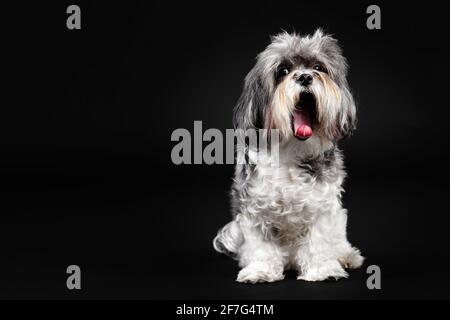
point(325, 251)
point(261, 260)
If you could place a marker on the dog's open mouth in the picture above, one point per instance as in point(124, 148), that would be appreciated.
point(304, 116)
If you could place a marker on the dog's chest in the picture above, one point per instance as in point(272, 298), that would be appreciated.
point(290, 189)
point(287, 198)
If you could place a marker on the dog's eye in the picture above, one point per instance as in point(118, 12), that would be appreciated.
point(319, 68)
point(281, 72)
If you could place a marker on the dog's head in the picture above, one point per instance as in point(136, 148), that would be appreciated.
point(299, 87)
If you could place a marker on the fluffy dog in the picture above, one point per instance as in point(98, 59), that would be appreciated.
point(290, 215)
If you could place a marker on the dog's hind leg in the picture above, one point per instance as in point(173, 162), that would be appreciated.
point(229, 239)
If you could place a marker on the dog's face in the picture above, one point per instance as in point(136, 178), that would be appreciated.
point(299, 87)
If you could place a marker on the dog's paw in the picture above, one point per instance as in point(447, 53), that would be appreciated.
point(259, 272)
point(326, 270)
point(353, 260)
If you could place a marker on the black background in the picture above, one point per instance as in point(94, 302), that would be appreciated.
point(85, 171)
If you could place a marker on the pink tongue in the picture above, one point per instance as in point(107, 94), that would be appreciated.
point(302, 124)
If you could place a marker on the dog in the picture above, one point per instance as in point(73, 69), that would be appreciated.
point(290, 216)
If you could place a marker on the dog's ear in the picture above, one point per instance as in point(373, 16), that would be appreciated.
point(249, 111)
point(337, 67)
point(347, 116)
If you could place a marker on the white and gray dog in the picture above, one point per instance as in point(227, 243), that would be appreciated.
point(290, 216)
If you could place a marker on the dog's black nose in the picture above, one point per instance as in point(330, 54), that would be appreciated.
point(305, 79)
